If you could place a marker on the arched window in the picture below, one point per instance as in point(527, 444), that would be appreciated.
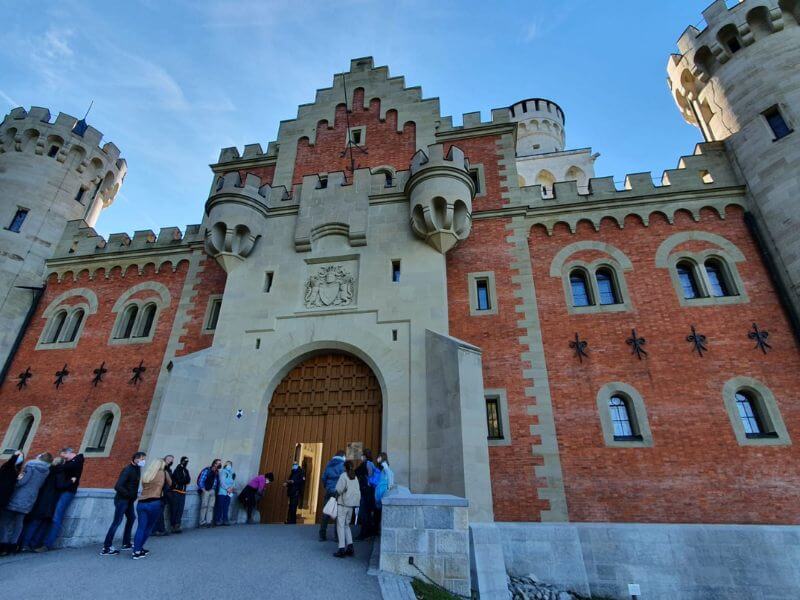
point(388, 179)
point(126, 324)
point(25, 432)
point(102, 433)
point(717, 278)
point(606, 286)
point(56, 327)
point(688, 279)
point(547, 180)
point(581, 296)
point(21, 430)
point(754, 413)
point(621, 418)
point(146, 320)
point(73, 325)
point(98, 438)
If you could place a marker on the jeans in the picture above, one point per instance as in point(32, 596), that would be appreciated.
point(221, 509)
point(122, 508)
point(159, 526)
point(64, 500)
point(33, 533)
point(323, 526)
point(207, 502)
point(148, 512)
point(176, 504)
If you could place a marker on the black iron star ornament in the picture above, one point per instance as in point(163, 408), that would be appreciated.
point(637, 345)
point(60, 376)
point(23, 378)
point(760, 338)
point(137, 373)
point(579, 346)
point(698, 340)
point(98, 374)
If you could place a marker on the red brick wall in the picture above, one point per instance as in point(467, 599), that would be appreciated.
point(66, 411)
point(385, 146)
point(210, 281)
point(696, 471)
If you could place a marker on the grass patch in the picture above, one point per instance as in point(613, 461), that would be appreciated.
point(426, 591)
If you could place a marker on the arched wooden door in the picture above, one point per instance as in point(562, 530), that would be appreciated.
point(328, 402)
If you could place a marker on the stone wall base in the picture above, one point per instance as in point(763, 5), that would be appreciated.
point(666, 561)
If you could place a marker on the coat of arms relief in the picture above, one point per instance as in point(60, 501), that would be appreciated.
point(331, 285)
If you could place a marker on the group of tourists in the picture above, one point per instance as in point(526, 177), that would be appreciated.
point(35, 496)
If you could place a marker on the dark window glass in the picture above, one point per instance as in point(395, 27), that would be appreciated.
point(777, 123)
point(355, 136)
point(395, 271)
point(493, 420)
point(606, 287)
point(58, 325)
point(389, 179)
point(688, 281)
point(268, 281)
point(18, 220)
point(79, 195)
point(148, 317)
point(620, 418)
point(213, 316)
point(53, 151)
point(753, 426)
point(580, 291)
point(476, 180)
point(323, 182)
point(74, 325)
point(716, 279)
point(733, 45)
point(108, 420)
point(27, 426)
point(482, 288)
point(128, 320)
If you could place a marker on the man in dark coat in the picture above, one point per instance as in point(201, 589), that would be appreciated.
point(294, 489)
point(126, 488)
point(177, 496)
point(72, 469)
point(38, 520)
point(8, 477)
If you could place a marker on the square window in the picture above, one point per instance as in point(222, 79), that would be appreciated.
point(18, 220)
point(213, 314)
point(356, 136)
point(776, 122)
point(323, 182)
point(494, 419)
point(475, 176)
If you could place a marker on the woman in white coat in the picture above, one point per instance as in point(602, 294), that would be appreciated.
point(348, 497)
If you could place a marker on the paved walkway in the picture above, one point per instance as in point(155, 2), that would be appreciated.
point(236, 563)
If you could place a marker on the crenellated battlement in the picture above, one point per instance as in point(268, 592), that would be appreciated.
point(472, 120)
point(264, 196)
point(435, 157)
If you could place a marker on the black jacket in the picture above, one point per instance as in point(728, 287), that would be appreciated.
point(72, 468)
point(8, 479)
point(180, 478)
point(127, 486)
point(296, 483)
point(48, 496)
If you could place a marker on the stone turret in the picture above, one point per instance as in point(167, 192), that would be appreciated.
point(51, 172)
point(737, 80)
point(440, 192)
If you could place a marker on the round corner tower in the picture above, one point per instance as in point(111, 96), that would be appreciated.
point(50, 173)
point(738, 81)
point(540, 126)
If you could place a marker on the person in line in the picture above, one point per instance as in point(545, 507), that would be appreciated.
point(37, 522)
point(367, 480)
point(348, 497)
point(177, 496)
point(149, 507)
point(8, 477)
point(207, 484)
point(22, 500)
point(126, 488)
point(225, 491)
point(72, 469)
point(385, 483)
point(253, 492)
point(330, 476)
point(159, 527)
point(294, 485)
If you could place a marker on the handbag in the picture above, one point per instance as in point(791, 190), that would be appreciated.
point(331, 508)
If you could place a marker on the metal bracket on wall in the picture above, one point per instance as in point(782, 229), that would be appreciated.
point(637, 345)
point(760, 338)
point(698, 341)
point(60, 376)
point(579, 346)
point(23, 378)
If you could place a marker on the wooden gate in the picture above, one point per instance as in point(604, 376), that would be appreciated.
point(333, 399)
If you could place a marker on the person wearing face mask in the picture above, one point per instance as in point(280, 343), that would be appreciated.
point(207, 484)
point(159, 527)
point(294, 485)
point(253, 491)
point(366, 473)
point(225, 492)
point(385, 483)
point(330, 476)
point(8, 477)
point(71, 471)
point(22, 500)
point(177, 497)
point(126, 488)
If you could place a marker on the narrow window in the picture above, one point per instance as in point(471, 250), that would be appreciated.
point(323, 182)
point(268, 278)
point(128, 319)
point(396, 271)
point(606, 287)
point(580, 290)
point(79, 195)
point(394, 335)
point(475, 176)
point(389, 180)
point(716, 278)
point(53, 151)
point(493, 420)
point(56, 327)
point(688, 280)
point(74, 325)
point(754, 425)
point(25, 432)
point(482, 291)
point(621, 419)
point(213, 315)
point(102, 433)
point(146, 321)
point(18, 220)
point(776, 122)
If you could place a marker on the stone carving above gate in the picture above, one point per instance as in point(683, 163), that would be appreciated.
point(331, 286)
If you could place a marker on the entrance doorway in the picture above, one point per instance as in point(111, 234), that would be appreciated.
point(328, 402)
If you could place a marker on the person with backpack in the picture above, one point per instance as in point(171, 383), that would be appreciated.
point(126, 488)
point(12, 516)
point(207, 485)
point(177, 497)
point(330, 477)
point(348, 497)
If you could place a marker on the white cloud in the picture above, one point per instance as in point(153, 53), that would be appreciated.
point(11, 102)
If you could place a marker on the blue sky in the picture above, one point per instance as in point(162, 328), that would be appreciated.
point(175, 81)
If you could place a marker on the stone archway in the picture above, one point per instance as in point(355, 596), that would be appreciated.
point(330, 401)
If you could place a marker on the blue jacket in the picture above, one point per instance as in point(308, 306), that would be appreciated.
point(385, 484)
point(27, 488)
point(330, 476)
point(227, 478)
